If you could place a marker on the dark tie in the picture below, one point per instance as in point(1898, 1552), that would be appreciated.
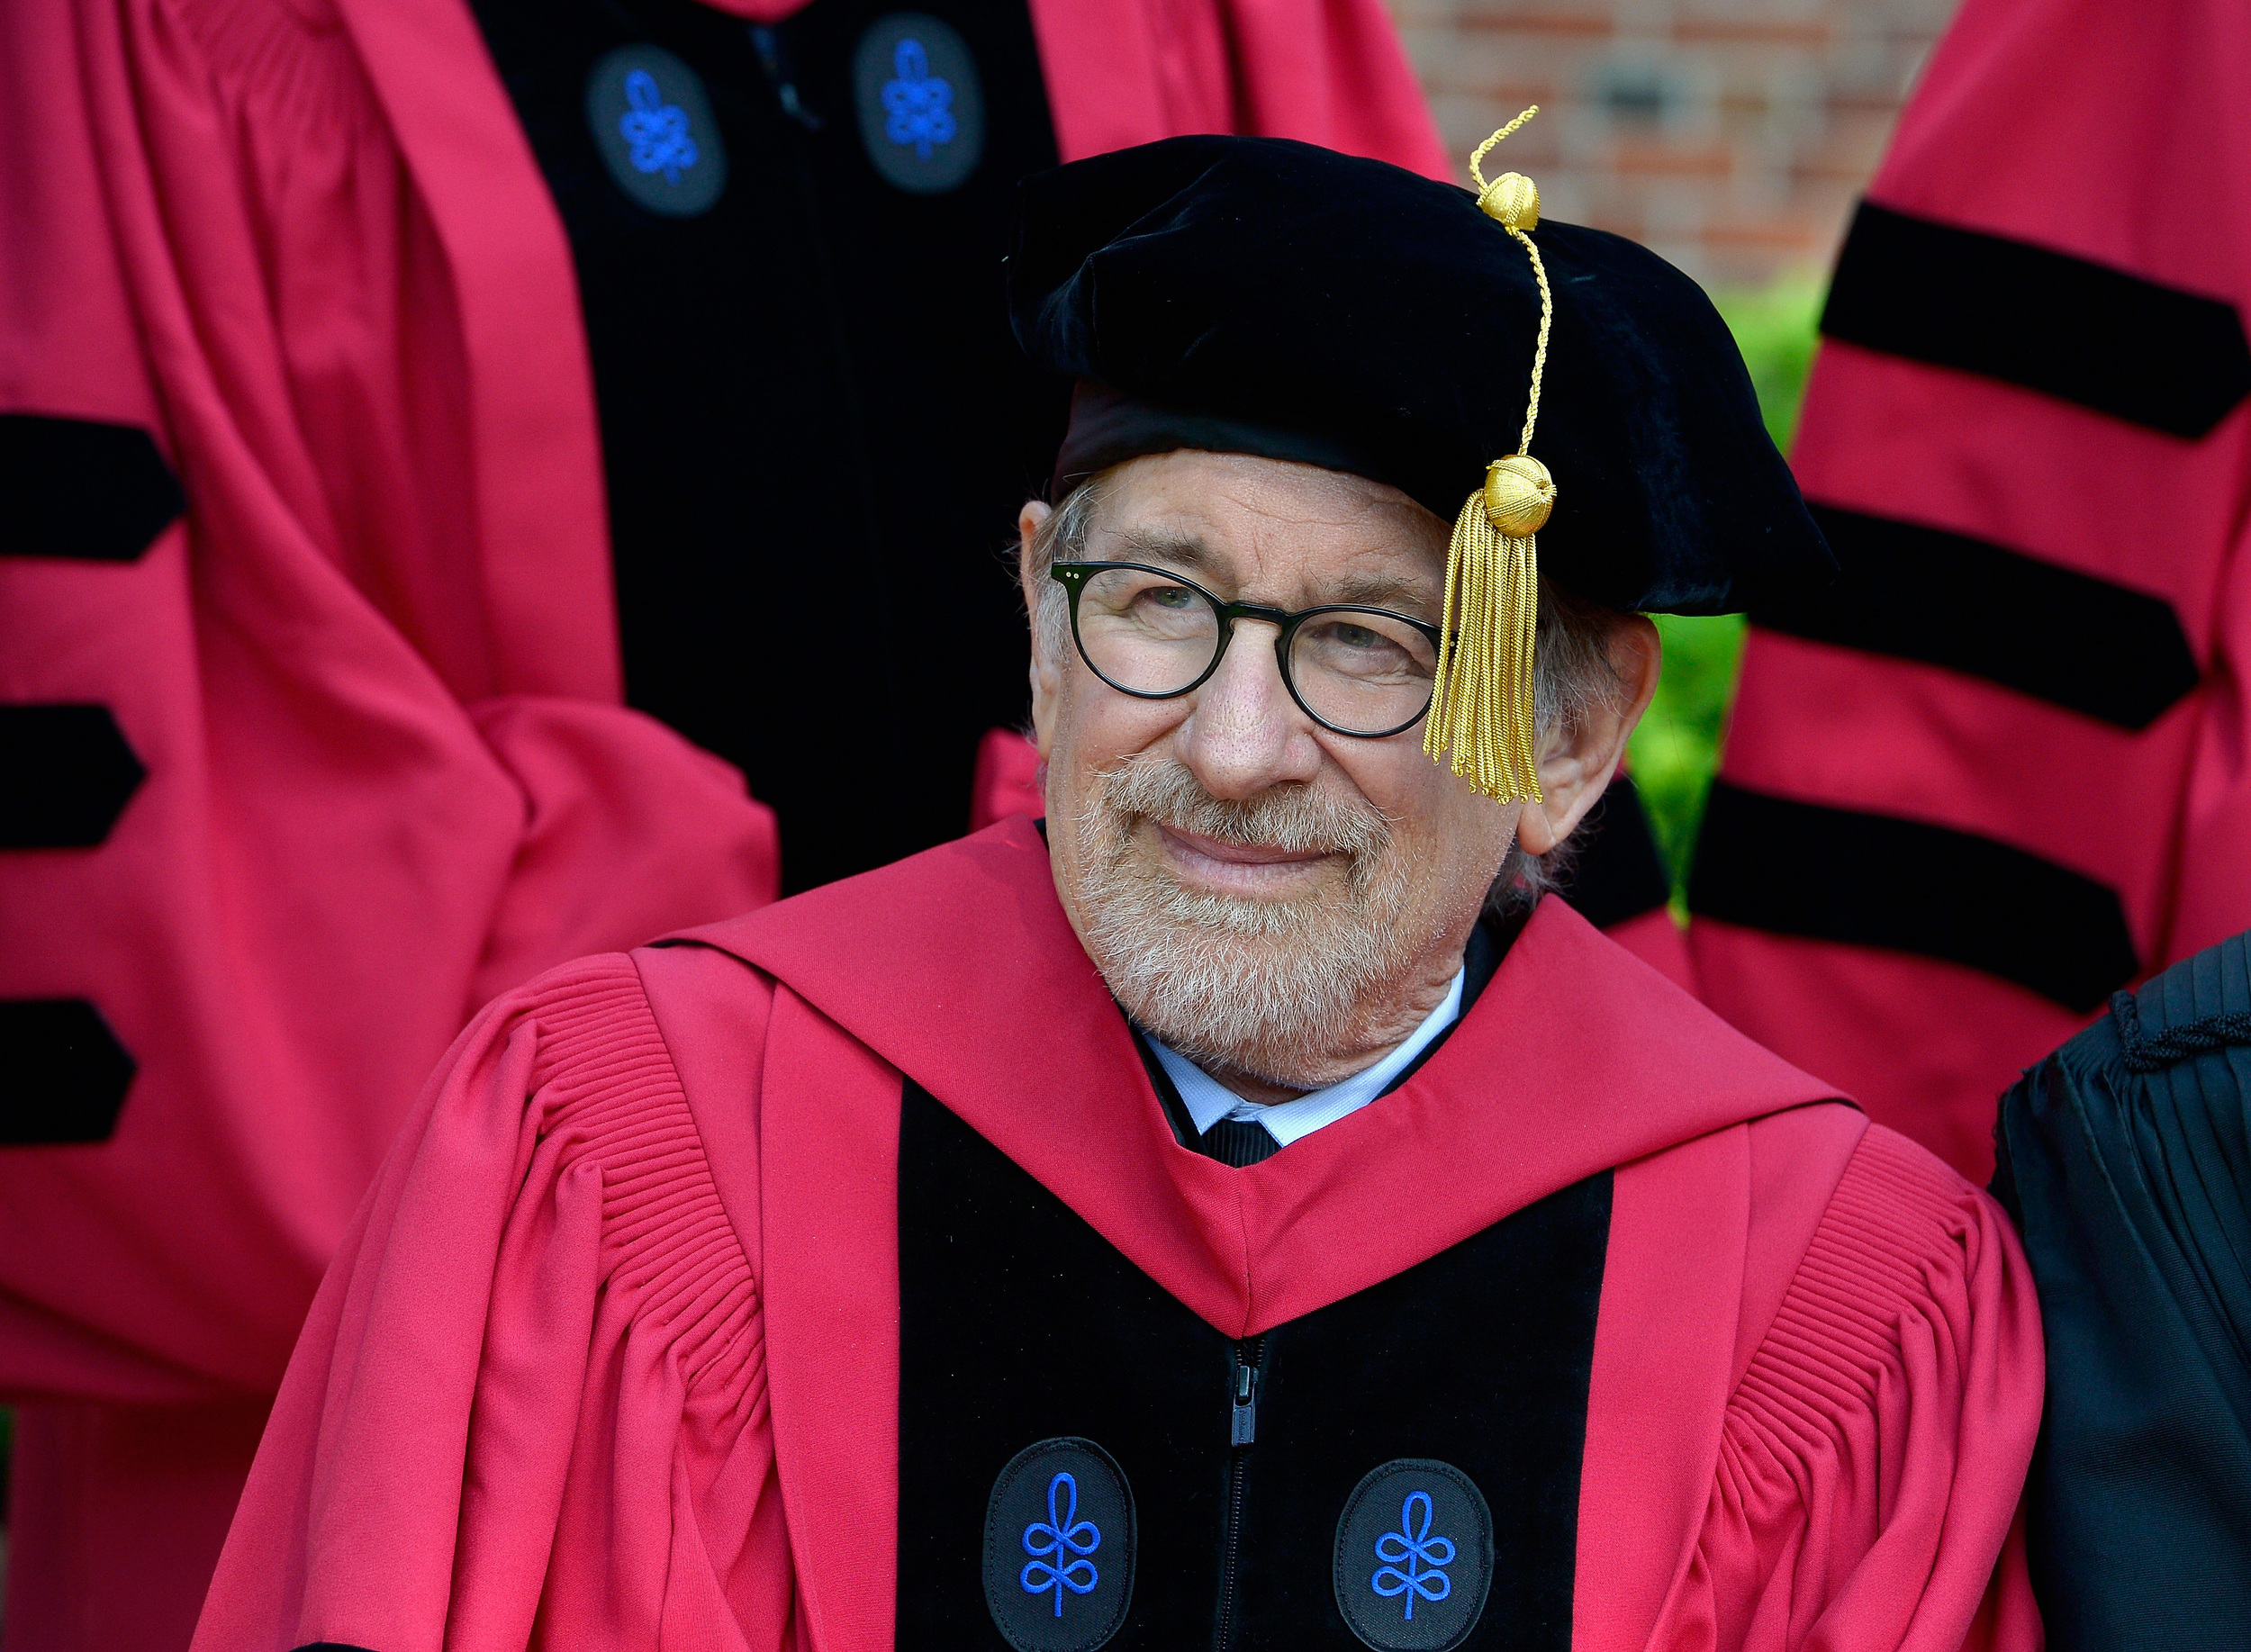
point(1237, 1142)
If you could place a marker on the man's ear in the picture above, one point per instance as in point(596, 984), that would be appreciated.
point(1047, 674)
point(1575, 763)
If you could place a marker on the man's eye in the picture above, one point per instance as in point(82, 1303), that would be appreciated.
point(1342, 636)
point(1169, 596)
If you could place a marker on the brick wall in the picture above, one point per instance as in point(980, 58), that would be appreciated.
point(1732, 136)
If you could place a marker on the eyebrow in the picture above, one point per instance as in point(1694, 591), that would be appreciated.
point(1383, 591)
point(1190, 554)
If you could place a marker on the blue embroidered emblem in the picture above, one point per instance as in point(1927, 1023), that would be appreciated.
point(918, 106)
point(1426, 1558)
point(657, 130)
point(1058, 1535)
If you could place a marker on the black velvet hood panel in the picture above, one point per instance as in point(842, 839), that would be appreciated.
point(1391, 323)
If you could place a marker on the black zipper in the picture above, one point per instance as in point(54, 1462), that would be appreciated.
point(1246, 1365)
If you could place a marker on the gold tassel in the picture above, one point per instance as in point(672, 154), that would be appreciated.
point(1482, 707)
point(1481, 702)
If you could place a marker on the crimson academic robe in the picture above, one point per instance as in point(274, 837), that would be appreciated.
point(315, 731)
point(711, 1286)
point(1999, 770)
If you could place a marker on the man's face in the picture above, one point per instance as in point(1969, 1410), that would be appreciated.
point(1264, 894)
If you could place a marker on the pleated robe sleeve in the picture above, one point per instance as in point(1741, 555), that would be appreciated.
point(529, 1407)
point(368, 673)
point(1875, 1446)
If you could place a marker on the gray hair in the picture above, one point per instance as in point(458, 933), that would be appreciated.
point(1574, 675)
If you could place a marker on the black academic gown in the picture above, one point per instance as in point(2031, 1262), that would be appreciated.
point(2126, 1159)
point(816, 429)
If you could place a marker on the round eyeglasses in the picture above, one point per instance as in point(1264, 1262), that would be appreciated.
point(1150, 633)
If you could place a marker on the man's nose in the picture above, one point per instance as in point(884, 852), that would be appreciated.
point(1246, 733)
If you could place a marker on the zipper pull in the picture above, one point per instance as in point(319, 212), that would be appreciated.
point(1242, 1423)
point(768, 45)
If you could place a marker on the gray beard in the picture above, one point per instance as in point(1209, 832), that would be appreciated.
point(1264, 988)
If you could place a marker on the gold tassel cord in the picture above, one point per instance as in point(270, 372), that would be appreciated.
point(1540, 350)
point(1482, 708)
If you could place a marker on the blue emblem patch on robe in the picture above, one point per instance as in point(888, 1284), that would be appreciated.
point(1413, 1557)
point(1059, 1548)
point(653, 125)
point(920, 102)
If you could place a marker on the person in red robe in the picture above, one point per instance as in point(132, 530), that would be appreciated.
point(403, 490)
point(1240, 1209)
point(1999, 773)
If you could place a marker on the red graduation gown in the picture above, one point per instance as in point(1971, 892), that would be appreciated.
point(366, 677)
point(2016, 730)
point(610, 1357)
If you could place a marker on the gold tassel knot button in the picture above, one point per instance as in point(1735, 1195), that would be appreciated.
point(1514, 199)
point(1519, 493)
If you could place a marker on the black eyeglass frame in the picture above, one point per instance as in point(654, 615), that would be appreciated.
point(1072, 576)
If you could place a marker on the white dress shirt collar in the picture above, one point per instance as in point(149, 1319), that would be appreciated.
point(1208, 1101)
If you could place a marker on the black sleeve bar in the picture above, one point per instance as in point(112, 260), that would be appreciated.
point(97, 492)
point(1945, 599)
point(65, 774)
point(63, 1075)
point(2063, 326)
point(1834, 874)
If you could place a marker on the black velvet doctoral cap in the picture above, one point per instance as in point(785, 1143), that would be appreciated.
point(1258, 295)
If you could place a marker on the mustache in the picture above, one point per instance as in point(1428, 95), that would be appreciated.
point(1295, 817)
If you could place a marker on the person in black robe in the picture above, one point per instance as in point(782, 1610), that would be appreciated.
point(2126, 1161)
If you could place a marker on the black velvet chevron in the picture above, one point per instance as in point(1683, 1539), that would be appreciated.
point(63, 1075)
point(1946, 598)
point(65, 774)
point(2116, 342)
point(1836, 874)
point(82, 489)
point(1019, 1323)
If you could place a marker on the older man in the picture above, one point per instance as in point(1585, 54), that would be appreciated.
point(1243, 1214)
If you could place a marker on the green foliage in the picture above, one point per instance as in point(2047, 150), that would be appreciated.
point(1773, 326)
point(1676, 749)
